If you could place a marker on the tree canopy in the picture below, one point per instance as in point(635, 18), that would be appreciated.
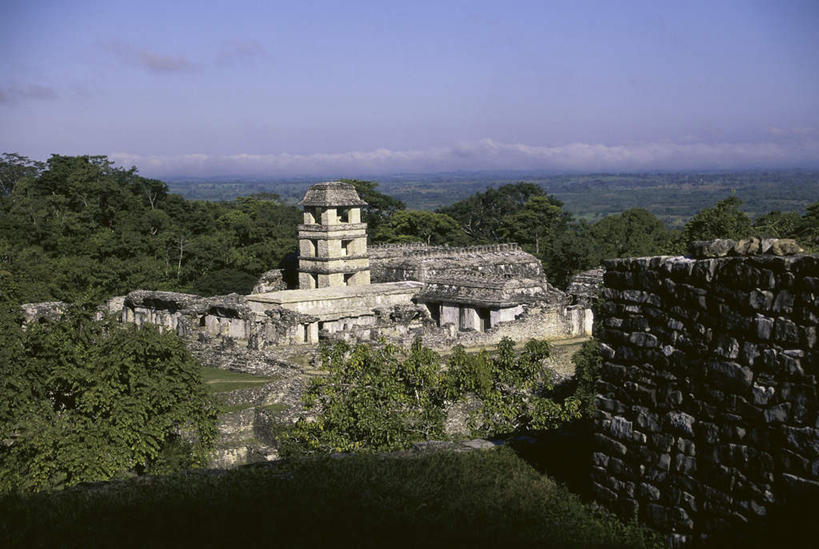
point(723, 220)
point(80, 228)
point(84, 400)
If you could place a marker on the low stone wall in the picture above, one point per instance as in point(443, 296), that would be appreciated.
point(537, 322)
point(214, 318)
point(707, 405)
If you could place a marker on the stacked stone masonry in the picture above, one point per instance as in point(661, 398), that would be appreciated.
point(707, 403)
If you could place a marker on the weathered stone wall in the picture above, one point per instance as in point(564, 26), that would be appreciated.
point(397, 262)
point(214, 318)
point(707, 406)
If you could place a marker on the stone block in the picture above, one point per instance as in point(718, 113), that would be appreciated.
point(778, 413)
point(731, 375)
point(609, 445)
point(683, 464)
point(785, 331)
point(783, 302)
point(701, 249)
point(726, 347)
point(643, 339)
point(621, 428)
point(649, 492)
point(760, 300)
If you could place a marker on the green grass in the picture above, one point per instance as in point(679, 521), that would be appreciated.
point(489, 498)
point(220, 381)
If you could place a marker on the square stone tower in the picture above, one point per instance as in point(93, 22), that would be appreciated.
point(332, 240)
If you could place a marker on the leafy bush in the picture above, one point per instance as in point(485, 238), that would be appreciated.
point(587, 363)
point(386, 397)
point(376, 398)
point(513, 388)
point(84, 400)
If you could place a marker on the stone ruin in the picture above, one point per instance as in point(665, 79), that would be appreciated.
point(446, 295)
point(708, 417)
point(473, 296)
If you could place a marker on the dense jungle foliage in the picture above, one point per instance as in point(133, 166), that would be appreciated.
point(87, 400)
point(385, 398)
point(77, 228)
point(101, 400)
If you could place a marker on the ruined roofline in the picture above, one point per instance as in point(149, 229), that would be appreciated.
point(382, 251)
point(479, 281)
point(331, 194)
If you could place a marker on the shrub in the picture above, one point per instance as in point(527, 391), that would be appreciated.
point(587, 363)
point(385, 397)
point(86, 400)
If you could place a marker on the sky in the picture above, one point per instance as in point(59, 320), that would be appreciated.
point(358, 88)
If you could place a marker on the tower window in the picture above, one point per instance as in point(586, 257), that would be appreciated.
point(344, 215)
point(348, 278)
point(345, 247)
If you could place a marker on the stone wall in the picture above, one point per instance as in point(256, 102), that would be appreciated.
point(707, 406)
point(214, 318)
point(396, 262)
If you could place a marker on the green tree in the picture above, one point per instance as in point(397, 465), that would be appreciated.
point(373, 398)
point(380, 207)
point(777, 224)
point(808, 228)
point(534, 224)
point(570, 251)
point(421, 225)
point(587, 364)
point(83, 400)
point(80, 227)
point(635, 232)
point(15, 168)
point(723, 220)
point(482, 214)
point(513, 387)
point(386, 397)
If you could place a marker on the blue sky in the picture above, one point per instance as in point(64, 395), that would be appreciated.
point(361, 88)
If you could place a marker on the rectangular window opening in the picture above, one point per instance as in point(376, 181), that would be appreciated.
point(484, 319)
point(435, 312)
point(344, 215)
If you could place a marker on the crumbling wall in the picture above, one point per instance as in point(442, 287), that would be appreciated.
point(214, 318)
point(584, 287)
point(538, 321)
point(397, 262)
point(707, 404)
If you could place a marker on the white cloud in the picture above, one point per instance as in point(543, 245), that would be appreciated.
point(487, 154)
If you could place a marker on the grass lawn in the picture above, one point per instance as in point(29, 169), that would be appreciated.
point(487, 498)
point(219, 381)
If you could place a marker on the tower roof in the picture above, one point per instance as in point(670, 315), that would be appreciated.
point(330, 194)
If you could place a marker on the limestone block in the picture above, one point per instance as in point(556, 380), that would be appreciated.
point(450, 315)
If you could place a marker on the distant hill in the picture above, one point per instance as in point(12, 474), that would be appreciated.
point(674, 197)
